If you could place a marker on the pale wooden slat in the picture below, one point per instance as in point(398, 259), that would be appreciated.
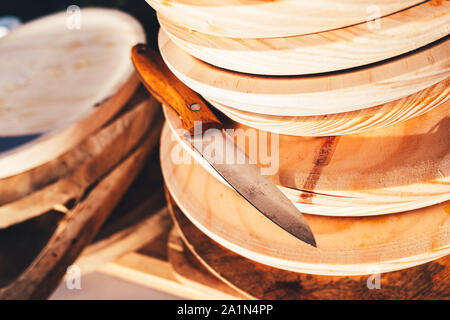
point(192, 274)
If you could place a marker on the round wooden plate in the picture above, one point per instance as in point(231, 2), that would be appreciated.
point(345, 245)
point(347, 122)
point(255, 280)
point(394, 169)
point(83, 166)
point(268, 19)
point(59, 84)
point(338, 49)
point(307, 95)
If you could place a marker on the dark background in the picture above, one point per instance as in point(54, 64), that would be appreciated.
point(28, 9)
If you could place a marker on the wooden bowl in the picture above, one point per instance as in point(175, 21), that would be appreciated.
point(347, 122)
point(398, 168)
point(27, 195)
point(333, 50)
point(345, 245)
point(268, 19)
point(257, 281)
point(308, 95)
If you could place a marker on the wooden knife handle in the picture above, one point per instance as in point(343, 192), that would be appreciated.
point(169, 90)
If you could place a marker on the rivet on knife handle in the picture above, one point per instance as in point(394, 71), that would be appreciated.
point(161, 82)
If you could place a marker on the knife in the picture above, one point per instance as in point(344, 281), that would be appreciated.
point(197, 119)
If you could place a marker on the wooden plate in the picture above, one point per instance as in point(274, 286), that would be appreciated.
point(347, 122)
point(86, 164)
point(338, 49)
point(267, 19)
point(13, 188)
point(394, 169)
point(58, 85)
point(346, 246)
point(344, 91)
point(255, 280)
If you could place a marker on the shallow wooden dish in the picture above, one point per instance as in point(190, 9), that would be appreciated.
point(58, 85)
point(255, 280)
point(347, 122)
point(393, 169)
point(346, 246)
point(81, 167)
point(307, 95)
point(267, 19)
point(337, 49)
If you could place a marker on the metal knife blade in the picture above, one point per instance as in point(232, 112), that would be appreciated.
point(248, 181)
point(242, 175)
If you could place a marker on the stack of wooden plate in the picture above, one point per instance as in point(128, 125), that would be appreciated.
point(75, 130)
point(358, 105)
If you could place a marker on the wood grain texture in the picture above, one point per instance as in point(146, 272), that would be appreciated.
point(345, 245)
point(307, 95)
point(140, 217)
point(398, 168)
point(17, 186)
point(150, 267)
point(76, 230)
point(268, 19)
point(337, 49)
point(123, 241)
point(62, 85)
point(347, 122)
point(31, 236)
point(168, 89)
point(96, 156)
point(190, 272)
point(426, 281)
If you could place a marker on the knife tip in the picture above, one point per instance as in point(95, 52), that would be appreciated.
point(311, 241)
point(305, 234)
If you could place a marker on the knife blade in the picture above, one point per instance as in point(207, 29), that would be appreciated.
point(197, 119)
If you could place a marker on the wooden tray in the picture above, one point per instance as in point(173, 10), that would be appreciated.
point(338, 49)
point(346, 245)
point(58, 85)
point(58, 240)
point(343, 91)
point(78, 169)
point(268, 19)
point(255, 280)
point(348, 122)
point(394, 169)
